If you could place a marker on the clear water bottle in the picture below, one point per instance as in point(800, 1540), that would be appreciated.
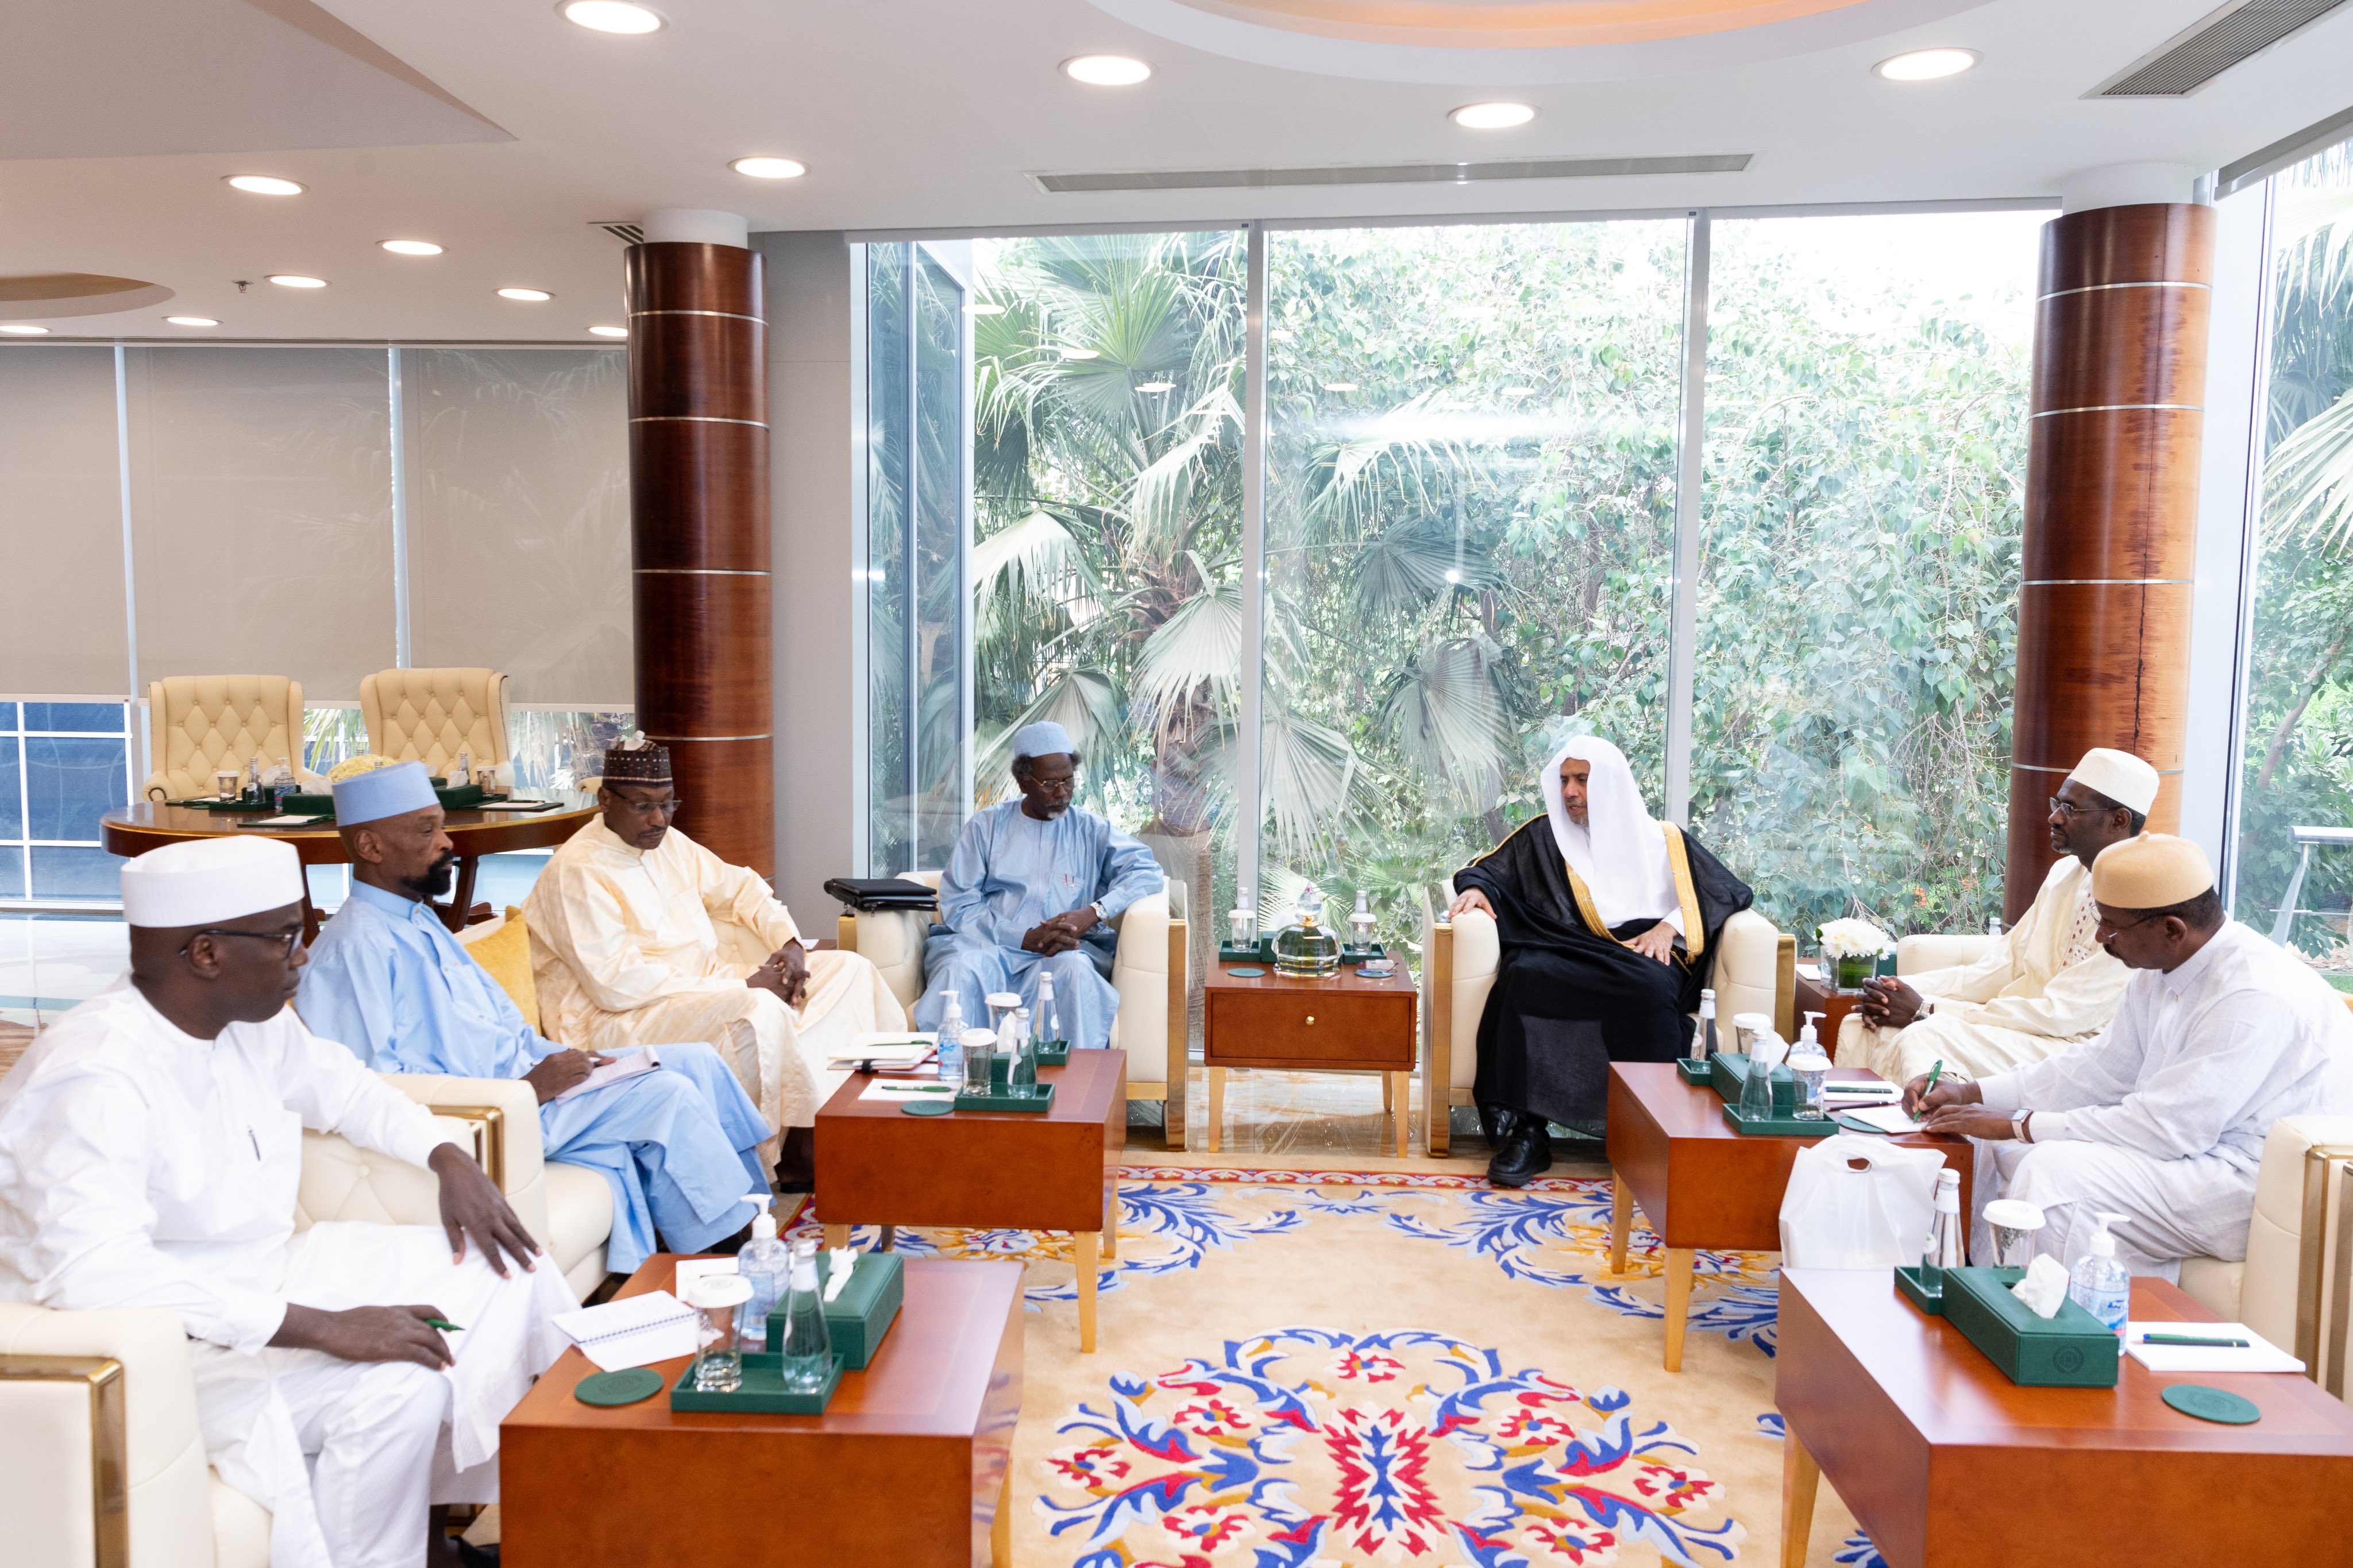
point(1702, 1044)
point(1757, 1087)
point(808, 1348)
point(1021, 1075)
point(767, 1263)
point(2098, 1283)
point(1943, 1250)
point(951, 1041)
point(1049, 1016)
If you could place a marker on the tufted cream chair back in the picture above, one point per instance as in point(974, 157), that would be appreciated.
point(430, 715)
point(198, 725)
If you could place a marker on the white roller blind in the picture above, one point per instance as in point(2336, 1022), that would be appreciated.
point(518, 518)
point(261, 513)
point(62, 630)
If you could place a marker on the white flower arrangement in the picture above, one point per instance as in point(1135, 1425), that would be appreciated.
point(1853, 938)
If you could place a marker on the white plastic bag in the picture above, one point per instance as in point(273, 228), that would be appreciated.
point(1858, 1203)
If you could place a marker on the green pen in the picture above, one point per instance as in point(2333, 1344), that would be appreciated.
point(1935, 1071)
point(444, 1324)
point(2195, 1341)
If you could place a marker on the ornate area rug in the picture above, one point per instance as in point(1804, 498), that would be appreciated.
point(1301, 1369)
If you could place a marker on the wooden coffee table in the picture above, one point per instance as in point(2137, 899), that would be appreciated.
point(1700, 1183)
point(1947, 1463)
point(989, 1170)
point(1344, 1024)
point(910, 1463)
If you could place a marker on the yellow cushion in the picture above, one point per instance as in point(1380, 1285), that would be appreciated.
point(506, 954)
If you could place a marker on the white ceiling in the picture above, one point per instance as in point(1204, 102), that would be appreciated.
point(929, 114)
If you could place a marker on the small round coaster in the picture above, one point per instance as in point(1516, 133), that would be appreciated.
point(2212, 1403)
point(939, 1106)
point(1247, 973)
point(624, 1387)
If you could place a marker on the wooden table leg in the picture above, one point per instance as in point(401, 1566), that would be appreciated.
point(1000, 1532)
point(1679, 1283)
point(1799, 1479)
point(1217, 1106)
point(888, 1241)
point(836, 1235)
point(1087, 1244)
point(1402, 1094)
point(1622, 1213)
point(1110, 1220)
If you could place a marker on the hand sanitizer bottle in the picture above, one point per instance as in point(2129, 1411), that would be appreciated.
point(2099, 1284)
point(1702, 1044)
point(808, 1345)
point(766, 1264)
point(951, 1041)
point(1049, 1017)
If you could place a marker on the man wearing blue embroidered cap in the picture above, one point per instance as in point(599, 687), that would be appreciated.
point(1031, 889)
point(679, 1144)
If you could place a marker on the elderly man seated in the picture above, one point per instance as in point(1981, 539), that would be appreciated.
point(678, 1145)
point(1031, 890)
point(2045, 984)
point(150, 1147)
point(2161, 1119)
point(624, 949)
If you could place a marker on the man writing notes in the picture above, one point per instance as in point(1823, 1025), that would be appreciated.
point(678, 1145)
point(1031, 890)
point(1608, 920)
point(627, 927)
point(149, 1148)
point(2160, 1118)
point(2045, 983)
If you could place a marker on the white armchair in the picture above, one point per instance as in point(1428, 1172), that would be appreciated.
point(198, 725)
point(101, 1462)
point(430, 715)
point(1943, 950)
point(1755, 972)
point(1148, 971)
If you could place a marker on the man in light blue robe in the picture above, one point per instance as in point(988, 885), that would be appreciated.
point(1031, 890)
point(678, 1145)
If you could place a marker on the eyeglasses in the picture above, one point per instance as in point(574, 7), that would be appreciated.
point(2117, 928)
point(288, 940)
point(651, 808)
point(1054, 786)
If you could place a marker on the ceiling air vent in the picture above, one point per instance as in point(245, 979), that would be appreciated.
point(2237, 32)
point(1391, 173)
point(627, 233)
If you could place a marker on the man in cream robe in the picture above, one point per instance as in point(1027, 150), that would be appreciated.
point(641, 935)
point(2044, 984)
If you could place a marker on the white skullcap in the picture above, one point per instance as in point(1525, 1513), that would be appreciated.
point(2121, 777)
point(208, 880)
point(2152, 871)
point(1043, 738)
point(395, 791)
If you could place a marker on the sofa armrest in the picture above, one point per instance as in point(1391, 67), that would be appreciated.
point(1147, 970)
point(2299, 1242)
point(1755, 970)
point(495, 1119)
point(1944, 950)
point(892, 941)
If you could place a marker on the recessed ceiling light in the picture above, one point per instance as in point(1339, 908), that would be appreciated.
point(1105, 70)
point(410, 246)
point(22, 330)
point(533, 295)
point(611, 17)
point(986, 308)
point(1155, 386)
point(1492, 116)
point(192, 320)
point(770, 168)
point(610, 332)
point(1078, 354)
point(264, 185)
point(1339, 386)
point(296, 280)
point(1926, 65)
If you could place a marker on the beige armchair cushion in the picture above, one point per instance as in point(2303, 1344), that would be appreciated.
point(430, 715)
point(2304, 1160)
point(1943, 950)
point(198, 725)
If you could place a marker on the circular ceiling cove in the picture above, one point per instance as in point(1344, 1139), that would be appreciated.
point(1512, 24)
point(41, 294)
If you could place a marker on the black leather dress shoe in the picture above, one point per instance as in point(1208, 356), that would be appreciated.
point(1527, 1155)
point(1498, 1125)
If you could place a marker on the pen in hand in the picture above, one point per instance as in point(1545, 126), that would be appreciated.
point(445, 1325)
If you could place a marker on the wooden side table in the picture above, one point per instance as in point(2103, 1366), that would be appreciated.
point(1832, 1004)
point(1344, 1024)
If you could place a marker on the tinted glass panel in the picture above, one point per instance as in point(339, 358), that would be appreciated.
point(104, 717)
point(66, 873)
point(12, 798)
point(70, 784)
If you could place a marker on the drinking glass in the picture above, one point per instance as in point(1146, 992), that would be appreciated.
point(979, 1050)
point(719, 1358)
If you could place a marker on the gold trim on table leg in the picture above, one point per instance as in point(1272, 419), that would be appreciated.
point(1800, 1480)
point(1622, 1213)
point(1000, 1530)
point(1679, 1287)
point(1437, 1066)
point(489, 1137)
point(2339, 1342)
point(1179, 1075)
point(2312, 1254)
point(1088, 1245)
point(844, 932)
point(1217, 1106)
point(1401, 1084)
point(110, 1485)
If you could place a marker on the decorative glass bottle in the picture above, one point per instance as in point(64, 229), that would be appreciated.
point(1305, 949)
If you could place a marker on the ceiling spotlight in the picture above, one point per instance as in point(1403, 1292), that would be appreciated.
point(22, 330)
point(410, 246)
point(1078, 354)
point(1926, 65)
point(1155, 386)
point(1105, 70)
point(192, 320)
point(533, 295)
point(611, 17)
point(1492, 116)
point(264, 185)
point(610, 332)
point(1339, 386)
point(770, 168)
point(296, 280)
point(984, 308)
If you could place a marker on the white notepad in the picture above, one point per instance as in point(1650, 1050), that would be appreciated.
point(634, 1331)
point(897, 1048)
point(1886, 1117)
point(626, 1064)
point(2260, 1354)
point(910, 1088)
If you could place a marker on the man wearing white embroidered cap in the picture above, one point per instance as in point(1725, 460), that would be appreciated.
point(2040, 987)
point(151, 1145)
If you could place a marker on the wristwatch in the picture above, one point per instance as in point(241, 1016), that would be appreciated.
point(2017, 1124)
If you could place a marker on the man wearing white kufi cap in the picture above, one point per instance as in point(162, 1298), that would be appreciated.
point(2159, 1121)
point(150, 1149)
point(2044, 984)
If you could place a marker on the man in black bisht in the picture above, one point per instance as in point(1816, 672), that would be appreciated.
point(1609, 920)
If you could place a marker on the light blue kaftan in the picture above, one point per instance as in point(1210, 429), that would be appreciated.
point(678, 1146)
point(1010, 873)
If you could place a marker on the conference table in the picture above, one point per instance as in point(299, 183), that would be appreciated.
point(136, 830)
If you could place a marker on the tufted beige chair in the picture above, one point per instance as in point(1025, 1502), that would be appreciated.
point(198, 725)
point(430, 715)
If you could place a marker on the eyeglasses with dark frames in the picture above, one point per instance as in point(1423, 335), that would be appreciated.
point(287, 939)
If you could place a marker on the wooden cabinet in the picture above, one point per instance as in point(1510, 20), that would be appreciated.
point(1344, 1024)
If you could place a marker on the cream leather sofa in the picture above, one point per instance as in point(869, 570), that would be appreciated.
point(1755, 972)
point(102, 1464)
point(1148, 970)
point(198, 725)
point(430, 715)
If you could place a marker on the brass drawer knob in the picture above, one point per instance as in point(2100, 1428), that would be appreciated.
point(1311, 1017)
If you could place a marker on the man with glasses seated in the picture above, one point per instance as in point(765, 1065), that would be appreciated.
point(2045, 983)
point(639, 935)
point(1031, 890)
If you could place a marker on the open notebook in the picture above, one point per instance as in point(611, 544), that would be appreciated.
point(635, 1330)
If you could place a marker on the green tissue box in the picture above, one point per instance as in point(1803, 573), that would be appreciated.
point(1729, 1073)
point(763, 1392)
point(859, 1318)
point(308, 805)
point(464, 797)
point(2069, 1350)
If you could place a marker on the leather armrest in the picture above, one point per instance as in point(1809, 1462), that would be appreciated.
point(1943, 950)
point(497, 1120)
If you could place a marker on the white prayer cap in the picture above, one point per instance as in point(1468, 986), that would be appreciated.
point(2152, 871)
point(2121, 777)
point(1043, 738)
point(395, 791)
point(208, 880)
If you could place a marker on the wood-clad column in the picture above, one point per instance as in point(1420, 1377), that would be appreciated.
point(2111, 510)
point(699, 526)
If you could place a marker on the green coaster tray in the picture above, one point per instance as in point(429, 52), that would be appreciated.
point(1054, 1053)
point(1776, 1126)
point(205, 803)
point(1929, 1299)
point(1002, 1098)
point(1696, 1073)
point(1259, 952)
point(762, 1392)
point(1728, 1072)
point(465, 797)
point(612, 1389)
point(859, 1318)
point(2210, 1404)
point(2068, 1350)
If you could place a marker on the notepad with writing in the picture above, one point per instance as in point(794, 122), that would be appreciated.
point(1886, 1117)
point(634, 1331)
point(625, 1064)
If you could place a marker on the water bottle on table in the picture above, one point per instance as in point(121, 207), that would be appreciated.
point(808, 1350)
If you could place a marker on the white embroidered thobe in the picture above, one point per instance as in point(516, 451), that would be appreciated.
point(637, 947)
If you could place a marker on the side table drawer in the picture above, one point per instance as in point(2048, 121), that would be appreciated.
point(1276, 1028)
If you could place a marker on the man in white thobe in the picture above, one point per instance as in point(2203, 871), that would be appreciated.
point(151, 1145)
point(2043, 984)
point(2160, 1120)
point(641, 935)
